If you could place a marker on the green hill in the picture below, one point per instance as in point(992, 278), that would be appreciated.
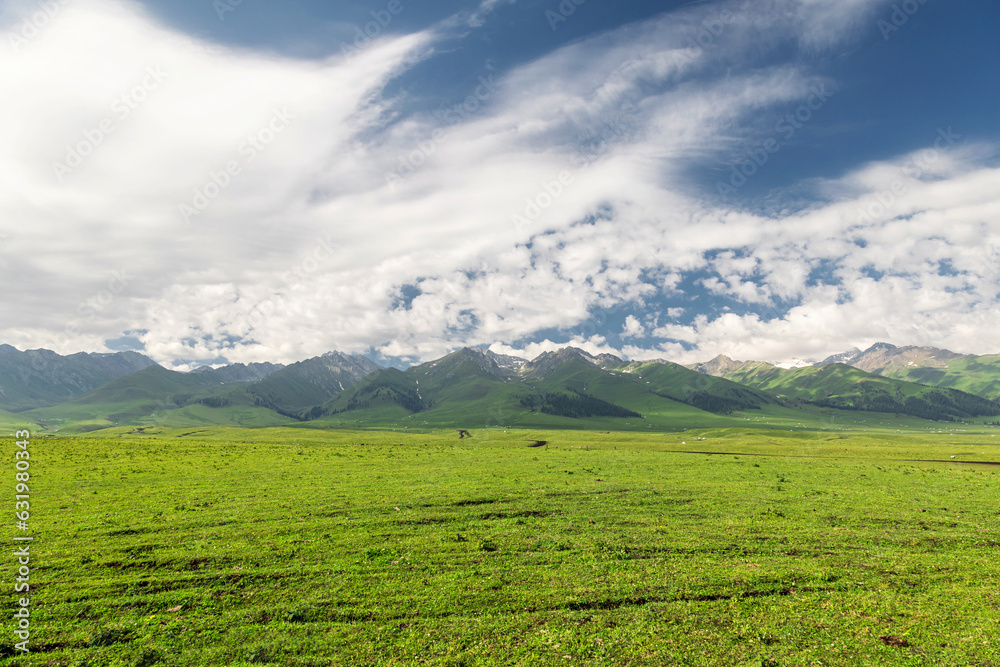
point(40, 378)
point(388, 388)
point(151, 384)
point(157, 396)
point(845, 387)
point(153, 395)
point(705, 392)
point(972, 374)
point(613, 380)
point(301, 386)
point(925, 365)
point(474, 388)
point(569, 387)
point(11, 422)
point(465, 387)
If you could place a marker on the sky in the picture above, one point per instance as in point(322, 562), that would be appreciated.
point(222, 181)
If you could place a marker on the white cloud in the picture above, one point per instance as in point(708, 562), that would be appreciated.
point(478, 18)
point(595, 345)
point(307, 248)
point(633, 328)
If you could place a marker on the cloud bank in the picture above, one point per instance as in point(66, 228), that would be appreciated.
point(213, 203)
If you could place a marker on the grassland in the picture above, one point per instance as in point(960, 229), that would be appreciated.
point(11, 422)
point(215, 546)
point(977, 375)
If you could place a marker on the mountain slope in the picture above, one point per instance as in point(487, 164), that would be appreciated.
point(39, 378)
point(706, 392)
point(390, 393)
point(568, 388)
point(609, 376)
point(226, 395)
point(548, 362)
point(469, 386)
point(132, 396)
point(303, 385)
point(239, 372)
point(845, 387)
point(10, 422)
point(159, 396)
point(929, 365)
point(472, 386)
point(718, 366)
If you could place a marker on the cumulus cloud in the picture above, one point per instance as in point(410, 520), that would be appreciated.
point(259, 207)
point(633, 328)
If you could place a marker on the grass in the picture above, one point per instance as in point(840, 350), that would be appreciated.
point(224, 546)
point(76, 419)
point(977, 375)
point(10, 422)
point(659, 414)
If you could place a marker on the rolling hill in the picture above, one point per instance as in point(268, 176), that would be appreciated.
point(152, 395)
point(239, 372)
point(838, 385)
point(39, 378)
point(475, 388)
point(298, 387)
point(561, 388)
point(465, 386)
point(929, 365)
point(248, 395)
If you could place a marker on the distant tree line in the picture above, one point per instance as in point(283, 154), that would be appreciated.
point(215, 401)
point(314, 413)
point(937, 404)
point(261, 402)
point(720, 405)
point(575, 406)
point(402, 396)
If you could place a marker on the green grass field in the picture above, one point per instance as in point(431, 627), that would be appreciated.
point(224, 546)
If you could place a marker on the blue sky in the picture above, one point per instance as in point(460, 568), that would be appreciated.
point(248, 181)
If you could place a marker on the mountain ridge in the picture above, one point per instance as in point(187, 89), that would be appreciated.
point(933, 366)
point(40, 378)
point(478, 384)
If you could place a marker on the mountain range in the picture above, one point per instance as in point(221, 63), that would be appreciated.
point(473, 388)
point(925, 365)
point(37, 378)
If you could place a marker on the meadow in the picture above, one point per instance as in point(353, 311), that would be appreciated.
point(296, 547)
